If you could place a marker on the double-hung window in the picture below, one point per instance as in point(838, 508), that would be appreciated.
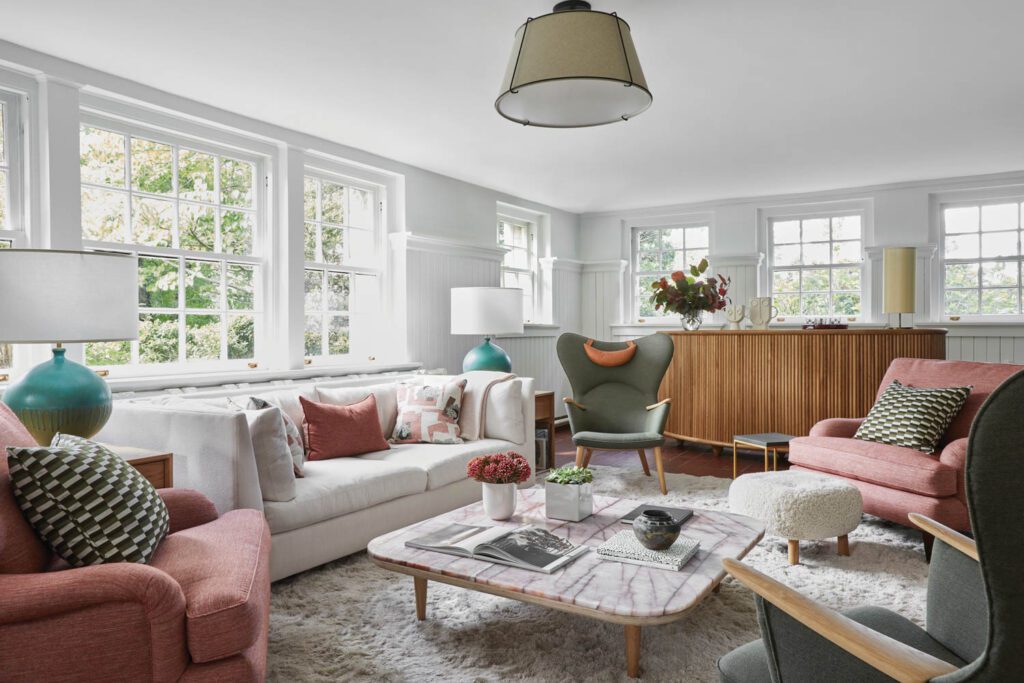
point(982, 258)
point(658, 252)
point(192, 213)
point(342, 269)
point(12, 228)
point(816, 265)
point(519, 265)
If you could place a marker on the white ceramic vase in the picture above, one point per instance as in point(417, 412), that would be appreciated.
point(499, 500)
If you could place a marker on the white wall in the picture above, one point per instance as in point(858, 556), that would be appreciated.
point(459, 215)
point(903, 214)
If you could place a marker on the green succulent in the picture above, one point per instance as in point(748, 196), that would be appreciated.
point(570, 474)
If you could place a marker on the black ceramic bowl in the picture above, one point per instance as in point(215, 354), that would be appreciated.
point(656, 529)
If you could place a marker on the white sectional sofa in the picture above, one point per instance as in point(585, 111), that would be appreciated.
point(340, 504)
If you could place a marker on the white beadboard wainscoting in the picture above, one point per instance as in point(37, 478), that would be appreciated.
point(601, 285)
point(985, 343)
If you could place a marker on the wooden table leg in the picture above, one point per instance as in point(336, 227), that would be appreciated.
point(734, 456)
point(775, 459)
point(844, 545)
point(765, 458)
point(420, 586)
point(794, 551)
point(633, 651)
point(643, 461)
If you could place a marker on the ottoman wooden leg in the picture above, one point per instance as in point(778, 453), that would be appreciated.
point(844, 545)
point(794, 551)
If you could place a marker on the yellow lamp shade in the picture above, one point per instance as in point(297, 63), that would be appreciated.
point(898, 281)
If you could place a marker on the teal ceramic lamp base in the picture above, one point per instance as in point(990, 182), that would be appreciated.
point(487, 356)
point(60, 396)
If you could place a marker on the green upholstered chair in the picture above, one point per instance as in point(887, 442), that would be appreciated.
point(975, 611)
point(617, 408)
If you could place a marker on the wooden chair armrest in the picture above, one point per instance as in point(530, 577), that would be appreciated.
point(948, 536)
point(659, 403)
point(886, 654)
point(569, 402)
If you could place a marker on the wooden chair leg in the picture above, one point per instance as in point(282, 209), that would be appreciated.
point(844, 545)
point(794, 551)
point(661, 470)
point(643, 461)
point(579, 456)
point(586, 457)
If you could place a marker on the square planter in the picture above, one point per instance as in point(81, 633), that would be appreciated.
point(569, 502)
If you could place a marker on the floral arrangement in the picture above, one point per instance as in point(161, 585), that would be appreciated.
point(570, 474)
point(688, 295)
point(500, 468)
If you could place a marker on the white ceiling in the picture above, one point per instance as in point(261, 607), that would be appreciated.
point(750, 97)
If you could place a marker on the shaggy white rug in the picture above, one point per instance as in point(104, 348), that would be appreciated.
point(351, 621)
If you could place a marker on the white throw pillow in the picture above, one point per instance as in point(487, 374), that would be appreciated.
point(504, 412)
point(386, 395)
point(288, 401)
point(273, 458)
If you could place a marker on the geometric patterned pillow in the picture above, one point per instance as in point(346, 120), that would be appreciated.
point(87, 504)
point(912, 417)
point(429, 413)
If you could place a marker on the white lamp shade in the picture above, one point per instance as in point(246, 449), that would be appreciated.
point(487, 310)
point(898, 266)
point(49, 296)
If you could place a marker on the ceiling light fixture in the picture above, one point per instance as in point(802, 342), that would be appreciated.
point(573, 68)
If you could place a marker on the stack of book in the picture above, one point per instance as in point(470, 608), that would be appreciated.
point(624, 547)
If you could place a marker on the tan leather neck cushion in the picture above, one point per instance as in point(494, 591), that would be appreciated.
point(609, 359)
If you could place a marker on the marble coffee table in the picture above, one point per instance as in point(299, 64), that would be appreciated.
point(632, 595)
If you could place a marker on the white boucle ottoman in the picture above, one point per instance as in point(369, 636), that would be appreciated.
point(799, 506)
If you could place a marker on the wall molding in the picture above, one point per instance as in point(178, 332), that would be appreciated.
point(613, 266)
point(558, 263)
point(752, 259)
point(438, 245)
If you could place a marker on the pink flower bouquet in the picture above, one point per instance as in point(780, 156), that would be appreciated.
point(500, 468)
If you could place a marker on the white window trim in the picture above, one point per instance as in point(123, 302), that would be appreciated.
point(631, 305)
point(533, 270)
point(862, 208)
point(14, 144)
point(261, 245)
point(343, 174)
point(540, 245)
point(942, 201)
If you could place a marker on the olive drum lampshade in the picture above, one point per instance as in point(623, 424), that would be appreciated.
point(898, 280)
point(487, 311)
point(52, 296)
point(572, 68)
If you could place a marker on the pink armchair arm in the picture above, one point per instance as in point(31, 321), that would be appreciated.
point(187, 508)
point(955, 455)
point(842, 427)
point(56, 625)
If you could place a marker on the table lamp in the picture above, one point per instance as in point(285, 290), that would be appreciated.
point(52, 296)
point(898, 264)
point(487, 311)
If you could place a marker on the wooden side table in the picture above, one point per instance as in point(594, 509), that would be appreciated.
point(769, 441)
point(544, 413)
point(157, 467)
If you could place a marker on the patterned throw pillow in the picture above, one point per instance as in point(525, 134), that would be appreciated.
point(429, 413)
point(912, 417)
point(291, 432)
point(87, 504)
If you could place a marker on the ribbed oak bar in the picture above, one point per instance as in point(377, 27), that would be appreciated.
point(726, 382)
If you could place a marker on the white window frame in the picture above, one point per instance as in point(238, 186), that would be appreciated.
point(361, 311)
point(530, 303)
point(14, 165)
point(260, 259)
point(823, 213)
point(979, 200)
point(635, 273)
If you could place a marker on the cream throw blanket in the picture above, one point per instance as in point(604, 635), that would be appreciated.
point(474, 401)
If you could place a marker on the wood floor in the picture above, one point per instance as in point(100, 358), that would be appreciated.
point(690, 458)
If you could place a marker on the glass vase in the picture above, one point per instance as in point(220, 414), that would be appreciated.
point(691, 321)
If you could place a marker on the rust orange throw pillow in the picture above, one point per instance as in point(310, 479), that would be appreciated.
point(609, 359)
point(339, 431)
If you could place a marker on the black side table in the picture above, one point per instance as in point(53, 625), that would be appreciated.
point(768, 441)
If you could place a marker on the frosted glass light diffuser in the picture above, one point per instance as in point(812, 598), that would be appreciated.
point(487, 310)
point(49, 296)
point(898, 266)
point(573, 68)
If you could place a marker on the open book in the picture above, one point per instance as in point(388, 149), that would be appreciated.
point(525, 547)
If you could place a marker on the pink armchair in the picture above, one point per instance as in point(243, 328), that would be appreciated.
point(896, 481)
point(198, 611)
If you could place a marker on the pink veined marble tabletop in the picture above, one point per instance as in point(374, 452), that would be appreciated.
point(613, 588)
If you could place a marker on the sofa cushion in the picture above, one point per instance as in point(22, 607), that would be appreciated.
point(386, 396)
point(292, 433)
point(429, 413)
point(332, 488)
point(892, 466)
point(341, 431)
point(87, 504)
point(223, 568)
point(503, 414)
point(912, 417)
point(442, 463)
point(274, 465)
